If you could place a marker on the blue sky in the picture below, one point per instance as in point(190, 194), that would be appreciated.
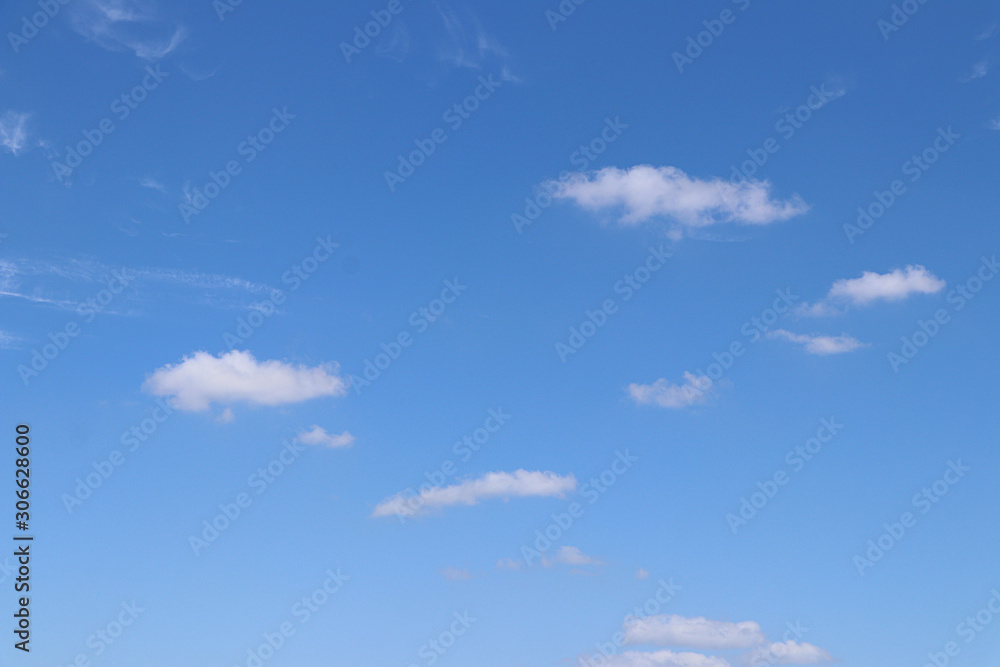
point(504, 335)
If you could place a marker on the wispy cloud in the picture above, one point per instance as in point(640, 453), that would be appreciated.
point(818, 343)
point(468, 45)
point(518, 484)
point(14, 135)
point(979, 70)
point(127, 25)
point(67, 282)
point(695, 390)
point(987, 32)
point(202, 379)
point(152, 184)
point(645, 192)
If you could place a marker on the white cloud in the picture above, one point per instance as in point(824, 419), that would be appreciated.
point(573, 556)
point(127, 25)
point(697, 633)
point(870, 287)
point(696, 389)
point(644, 192)
point(318, 436)
point(8, 341)
point(664, 659)
point(14, 132)
point(788, 653)
point(455, 574)
point(642, 574)
point(818, 343)
point(893, 286)
point(521, 483)
point(994, 123)
point(202, 379)
point(226, 416)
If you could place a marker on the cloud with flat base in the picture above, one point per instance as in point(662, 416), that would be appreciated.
point(645, 192)
point(517, 484)
point(873, 287)
point(201, 380)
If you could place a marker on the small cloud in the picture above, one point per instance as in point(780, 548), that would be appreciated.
point(572, 556)
point(455, 574)
point(8, 341)
point(871, 287)
point(14, 136)
point(695, 390)
point(645, 192)
point(819, 344)
point(893, 286)
point(788, 653)
point(225, 417)
point(641, 574)
point(319, 436)
point(520, 484)
point(987, 33)
point(979, 70)
point(152, 184)
point(202, 379)
point(994, 123)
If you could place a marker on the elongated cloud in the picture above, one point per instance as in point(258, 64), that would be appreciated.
point(788, 653)
point(818, 343)
point(893, 286)
point(318, 436)
point(695, 389)
point(520, 483)
point(202, 379)
point(663, 659)
point(644, 192)
point(697, 633)
point(872, 287)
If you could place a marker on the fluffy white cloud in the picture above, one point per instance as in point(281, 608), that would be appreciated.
point(818, 343)
point(521, 483)
point(318, 436)
point(788, 653)
point(696, 389)
point(664, 659)
point(892, 286)
point(645, 192)
point(697, 633)
point(14, 132)
point(202, 379)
